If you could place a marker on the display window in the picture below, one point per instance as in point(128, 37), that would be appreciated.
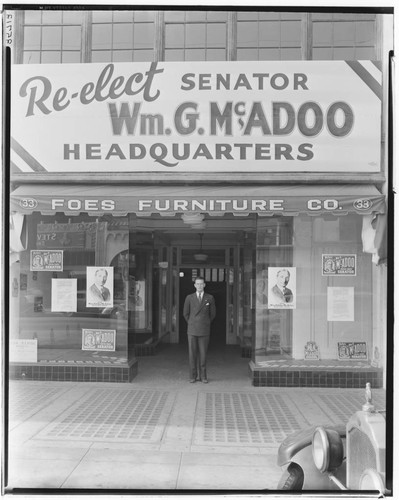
point(73, 289)
point(313, 291)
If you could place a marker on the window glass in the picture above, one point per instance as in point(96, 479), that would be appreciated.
point(344, 33)
point(192, 16)
point(269, 16)
point(174, 35)
point(291, 16)
point(52, 17)
point(365, 53)
point(72, 17)
point(216, 16)
point(322, 54)
point(102, 36)
point(123, 36)
point(102, 16)
point(175, 16)
point(101, 56)
point(216, 55)
point(216, 35)
point(195, 35)
point(322, 16)
point(269, 34)
point(247, 34)
point(322, 34)
point(195, 55)
point(247, 54)
point(290, 33)
point(32, 38)
point(269, 54)
point(174, 55)
point(144, 16)
point(292, 54)
point(51, 37)
point(123, 16)
point(33, 17)
point(57, 323)
point(71, 37)
point(143, 36)
point(31, 57)
point(51, 57)
point(273, 321)
point(341, 53)
point(70, 57)
point(247, 16)
point(122, 55)
point(364, 33)
point(143, 55)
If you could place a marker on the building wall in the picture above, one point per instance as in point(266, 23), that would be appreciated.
point(50, 37)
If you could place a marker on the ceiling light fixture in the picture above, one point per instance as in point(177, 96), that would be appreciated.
point(200, 256)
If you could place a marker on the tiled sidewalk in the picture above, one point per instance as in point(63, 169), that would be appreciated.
point(161, 434)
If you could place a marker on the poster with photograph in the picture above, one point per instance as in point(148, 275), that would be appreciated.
point(46, 260)
point(282, 288)
point(64, 293)
point(100, 287)
point(339, 264)
point(340, 303)
point(136, 295)
point(98, 339)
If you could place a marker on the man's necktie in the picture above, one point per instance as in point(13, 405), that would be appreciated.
point(199, 297)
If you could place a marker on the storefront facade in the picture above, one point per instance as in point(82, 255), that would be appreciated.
point(259, 164)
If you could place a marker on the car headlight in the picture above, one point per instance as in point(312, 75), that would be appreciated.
point(372, 480)
point(327, 449)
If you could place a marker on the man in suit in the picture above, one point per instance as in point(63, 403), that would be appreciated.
point(282, 294)
point(98, 292)
point(199, 311)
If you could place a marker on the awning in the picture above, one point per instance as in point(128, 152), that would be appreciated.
point(214, 200)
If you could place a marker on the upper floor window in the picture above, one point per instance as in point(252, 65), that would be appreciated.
point(343, 36)
point(271, 36)
point(56, 36)
point(195, 36)
point(52, 36)
point(123, 36)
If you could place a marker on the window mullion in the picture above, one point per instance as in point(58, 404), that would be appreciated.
point(87, 29)
point(159, 35)
point(231, 36)
point(307, 37)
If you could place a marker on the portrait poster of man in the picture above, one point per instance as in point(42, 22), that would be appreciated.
point(282, 288)
point(100, 286)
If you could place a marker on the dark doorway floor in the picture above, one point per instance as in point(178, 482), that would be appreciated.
point(170, 364)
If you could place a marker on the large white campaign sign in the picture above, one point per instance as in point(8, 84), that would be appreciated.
point(270, 116)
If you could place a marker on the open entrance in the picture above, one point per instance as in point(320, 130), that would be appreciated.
point(218, 289)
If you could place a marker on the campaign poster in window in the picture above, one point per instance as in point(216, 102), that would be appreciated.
point(100, 286)
point(282, 288)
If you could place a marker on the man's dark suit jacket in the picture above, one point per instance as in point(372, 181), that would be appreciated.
point(287, 297)
point(199, 315)
point(96, 293)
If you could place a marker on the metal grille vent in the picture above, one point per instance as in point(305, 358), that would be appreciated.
point(114, 415)
point(247, 419)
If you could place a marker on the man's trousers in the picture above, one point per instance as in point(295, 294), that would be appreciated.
point(197, 349)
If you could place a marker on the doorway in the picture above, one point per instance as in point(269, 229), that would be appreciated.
point(215, 288)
